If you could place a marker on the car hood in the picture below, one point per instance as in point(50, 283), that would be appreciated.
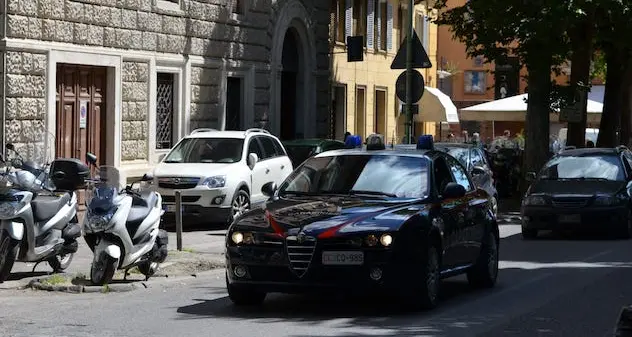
point(576, 187)
point(330, 216)
point(191, 170)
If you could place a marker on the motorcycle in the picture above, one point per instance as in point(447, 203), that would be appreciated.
point(39, 223)
point(121, 226)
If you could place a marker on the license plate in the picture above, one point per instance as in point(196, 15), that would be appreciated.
point(570, 218)
point(343, 258)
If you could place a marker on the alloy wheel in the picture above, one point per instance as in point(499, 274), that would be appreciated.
point(492, 257)
point(432, 278)
point(240, 205)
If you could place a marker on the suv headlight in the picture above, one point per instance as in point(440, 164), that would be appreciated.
point(535, 200)
point(605, 200)
point(214, 182)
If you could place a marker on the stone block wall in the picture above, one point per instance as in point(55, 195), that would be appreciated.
point(134, 111)
point(25, 109)
point(206, 107)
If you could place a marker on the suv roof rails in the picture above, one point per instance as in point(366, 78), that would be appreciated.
point(257, 130)
point(202, 130)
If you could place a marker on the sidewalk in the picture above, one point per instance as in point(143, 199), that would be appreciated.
point(201, 251)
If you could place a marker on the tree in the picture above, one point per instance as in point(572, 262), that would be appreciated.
point(535, 33)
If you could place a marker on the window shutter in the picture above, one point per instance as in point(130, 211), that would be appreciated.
point(370, 22)
point(378, 25)
point(348, 18)
point(426, 37)
point(389, 26)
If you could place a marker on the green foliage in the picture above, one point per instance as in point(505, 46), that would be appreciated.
point(599, 67)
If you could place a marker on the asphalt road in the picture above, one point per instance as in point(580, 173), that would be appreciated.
point(551, 287)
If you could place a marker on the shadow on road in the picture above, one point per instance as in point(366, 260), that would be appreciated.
point(23, 275)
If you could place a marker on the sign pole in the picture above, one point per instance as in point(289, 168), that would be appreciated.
point(409, 73)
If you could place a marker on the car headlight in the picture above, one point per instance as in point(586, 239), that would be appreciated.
point(535, 200)
point(605, 200)
point(8, 209)
point(386, 240)
point(214, 182)
point(100, 222)
point(245, 238)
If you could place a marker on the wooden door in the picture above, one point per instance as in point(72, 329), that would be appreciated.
point(81, 118)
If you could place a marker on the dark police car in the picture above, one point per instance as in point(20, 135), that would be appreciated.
point(365, 219)
point(581, 189)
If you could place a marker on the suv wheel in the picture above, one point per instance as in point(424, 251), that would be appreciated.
point(240, 204)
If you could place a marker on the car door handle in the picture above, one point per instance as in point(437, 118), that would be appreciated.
point(267, 170)
point(282, 167)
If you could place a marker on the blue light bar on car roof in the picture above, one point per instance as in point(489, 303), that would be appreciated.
point(375, 142)
point(353, 141)
point(425, 142)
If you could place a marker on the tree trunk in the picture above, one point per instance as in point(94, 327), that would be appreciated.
point(625, 135)
point(582, 48)
point(538, 109)
point(611, 114)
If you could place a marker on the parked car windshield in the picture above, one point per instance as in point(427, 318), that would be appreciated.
point(207, 150)
point(299, 153)
point(385, 175)
point(603, 167)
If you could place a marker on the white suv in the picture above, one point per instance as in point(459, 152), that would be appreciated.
point(220, 173)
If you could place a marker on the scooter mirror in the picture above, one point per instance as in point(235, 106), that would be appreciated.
point(91, 158)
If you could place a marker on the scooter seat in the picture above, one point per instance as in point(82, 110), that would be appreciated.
point(46, 206)
point(141, 206)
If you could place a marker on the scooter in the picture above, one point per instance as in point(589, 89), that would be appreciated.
point(36, 224)
point(121, 226)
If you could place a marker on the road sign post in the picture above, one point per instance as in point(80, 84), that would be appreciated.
point(409, 72)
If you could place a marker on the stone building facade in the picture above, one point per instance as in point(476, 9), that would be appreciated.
point(126, 79)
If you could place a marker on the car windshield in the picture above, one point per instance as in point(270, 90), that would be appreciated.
point(461, 154)
point(601, 167)
point(299, 153)
point(207, 150)
point(379, 175)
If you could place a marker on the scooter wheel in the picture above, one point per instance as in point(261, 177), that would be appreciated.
point(60, 263)
point(148, 268)
point(8, 252)
point(102, 270)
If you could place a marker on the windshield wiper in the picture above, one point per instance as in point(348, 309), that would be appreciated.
point(373, 193)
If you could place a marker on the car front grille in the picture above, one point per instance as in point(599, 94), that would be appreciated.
point(569, 202)
point(185, 198)
point(178, 183)
point(300, 251)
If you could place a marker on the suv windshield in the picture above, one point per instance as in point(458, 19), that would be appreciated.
point(603, 167)
point(207, 150)
point(380, 175)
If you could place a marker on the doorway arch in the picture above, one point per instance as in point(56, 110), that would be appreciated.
point(293, 62)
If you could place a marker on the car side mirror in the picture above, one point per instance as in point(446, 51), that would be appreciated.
point(91, 158)
point(147, 177)
point(252, 160)
point(268, 189)
point(453, 191)
point(478, 170)
point(530, 176)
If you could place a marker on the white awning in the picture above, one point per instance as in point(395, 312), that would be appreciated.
point(435, 106)
point(514, 109)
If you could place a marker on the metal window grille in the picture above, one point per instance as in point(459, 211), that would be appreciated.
point(164, 110)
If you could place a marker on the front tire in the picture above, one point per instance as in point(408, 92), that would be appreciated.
point(8, 252)
point(60, 263)
point(244, 296)
point(625, 230)
point(425, 295)
point(102, 270)
point(485, 272)
point(148, 269)
point(239, 205)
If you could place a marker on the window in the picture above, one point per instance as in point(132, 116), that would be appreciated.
point(207, 150)
point(383, 24)
point(392, 176)
point(254, 147)
point(278, 148)
point(238, 6)
point(475, 82)
point(460, 175)
point(165, 110)
point(461, 154)
point(595, 167)
point(359, 17)
point(442, 176)
point(338, 19)
point(477, 159)
point(268, 147)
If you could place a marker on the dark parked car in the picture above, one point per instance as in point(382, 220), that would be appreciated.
point(300, 149)
point(365, 220)
point(474, 160)
point(581, 189)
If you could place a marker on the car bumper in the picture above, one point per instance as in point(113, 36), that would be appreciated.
point(198, 204)
point(544, 218)
point(269, 270)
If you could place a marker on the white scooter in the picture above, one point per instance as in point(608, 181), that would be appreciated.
point(121, 226)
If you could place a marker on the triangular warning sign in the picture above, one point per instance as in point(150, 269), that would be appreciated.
point(420, 57)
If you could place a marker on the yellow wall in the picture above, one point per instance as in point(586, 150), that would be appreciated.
point(375, 72)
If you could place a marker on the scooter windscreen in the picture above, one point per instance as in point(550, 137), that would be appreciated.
point(102, 199)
